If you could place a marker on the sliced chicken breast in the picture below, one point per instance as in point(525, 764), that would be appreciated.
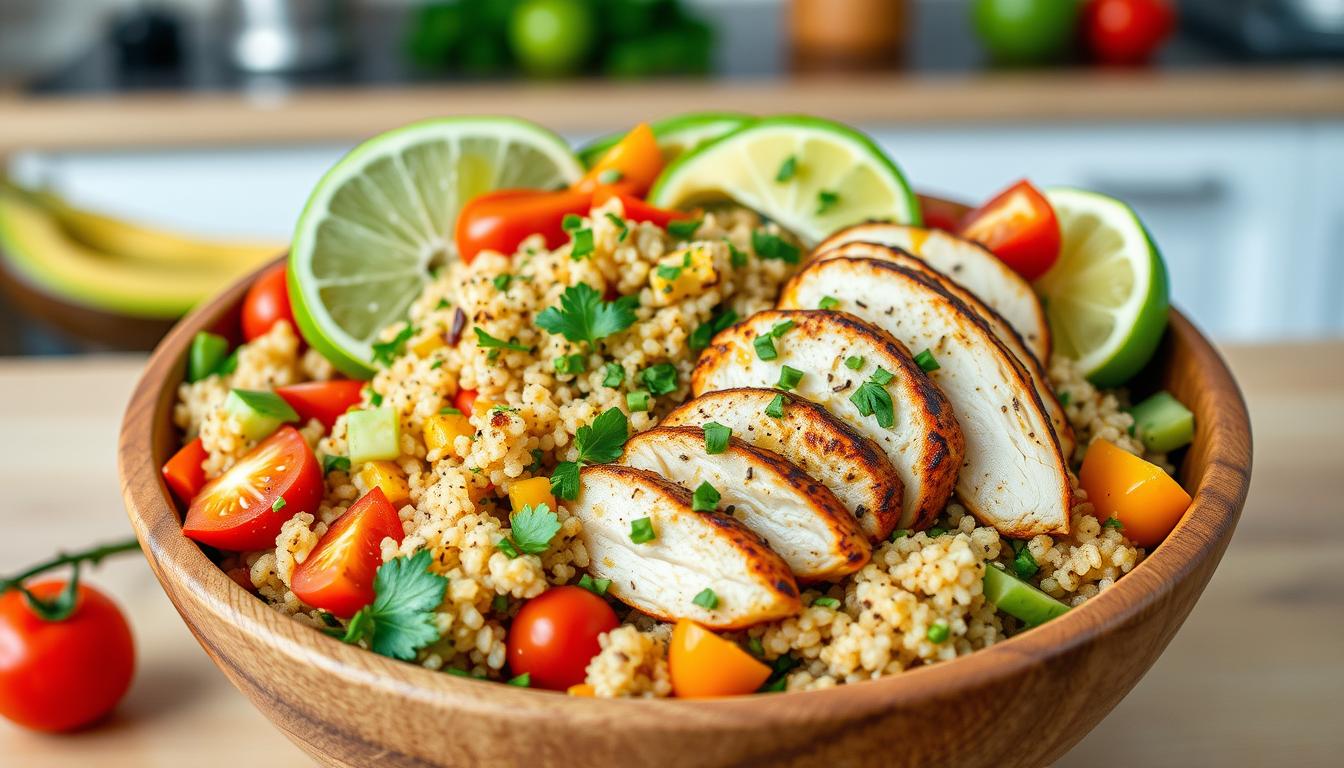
point(836, 354)
point(1001, 327)
point(967, 262)
point(689, 553)
point(797, 516)
point(1014, 475)
point(851, 465)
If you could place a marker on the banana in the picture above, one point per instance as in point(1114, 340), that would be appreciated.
point(127, 240)
point(39, 250)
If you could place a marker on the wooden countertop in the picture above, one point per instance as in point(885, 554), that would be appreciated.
point(269, 116)
point(1252, 679)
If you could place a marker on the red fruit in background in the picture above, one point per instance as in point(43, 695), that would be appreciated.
point(1126, 31)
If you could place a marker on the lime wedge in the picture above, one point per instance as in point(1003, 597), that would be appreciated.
point(383, 217)
point(676, 135)
point(812, 176)
point(1106, 297)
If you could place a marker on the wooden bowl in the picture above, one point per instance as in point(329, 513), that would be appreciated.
point(1022, 702)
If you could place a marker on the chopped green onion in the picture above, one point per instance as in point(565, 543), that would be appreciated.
point(207, 354)
point(571, 364)
point(661, 379)
point(854, 362)
point(900, 533)
point(781, 328)
point(765, 347)
point(583, 244)
point(938, 632)
point(641, 530)
point(716, 437)
point(706, 599)
point(827, 602)
point(735, 257)
point(927, 361)
point(775, 407)
point(935, 532)
point(449, 410)
point(788, 378)
point(705, 499)
point(637, 400)
point(571, 222)
point(828, 302)
point(596, 586)
point(279, 504)
point(1025, 564)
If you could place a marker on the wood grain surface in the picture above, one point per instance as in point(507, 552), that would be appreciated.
point(343, 114)
point(1253, 677)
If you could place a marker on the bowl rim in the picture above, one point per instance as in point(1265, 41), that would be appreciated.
point(179, 563)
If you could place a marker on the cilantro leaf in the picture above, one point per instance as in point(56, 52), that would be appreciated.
point(400, 620)
point(768, 246)
point(603, 440)
point(565, 480)
point(661, 379)
point(614, 375)
point(873, 399)
point(386, 351)
point(332, 463)
point(533, 528)
point(584, 317)
point(706, 599)
point(486, 341)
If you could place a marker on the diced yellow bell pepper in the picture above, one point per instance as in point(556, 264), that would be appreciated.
point(442, 430)
point(426, 344)
point(531, 492)
point(684, 273)
point(387, 476)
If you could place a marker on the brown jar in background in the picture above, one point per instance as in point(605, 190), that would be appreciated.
point(847, 35)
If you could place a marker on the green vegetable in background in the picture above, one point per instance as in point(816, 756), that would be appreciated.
point(552, 37)
point(1025, 31)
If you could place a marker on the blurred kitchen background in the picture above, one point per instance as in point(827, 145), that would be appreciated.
point(212, 119)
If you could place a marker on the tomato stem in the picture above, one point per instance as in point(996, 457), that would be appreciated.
point(92, 556)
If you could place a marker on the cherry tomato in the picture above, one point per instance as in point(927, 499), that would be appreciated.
point(1020, 227)
point(702, 664)
point(322, 400)
point(61, 675)
point(465, 401)
point(338, 574)
point(1126, 32)
point(941, 214)
point(554, 636)
point(266, 302)
point(632, 164)
point(638, 210)
point(184, 473)
point(500, 221)
point(242, 509)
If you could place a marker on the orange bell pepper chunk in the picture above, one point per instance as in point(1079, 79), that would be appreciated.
point(702, 664)
point(632, 165)
point(1147, 501)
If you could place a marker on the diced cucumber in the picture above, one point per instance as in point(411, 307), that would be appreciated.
point(372, 435)
point(259, 411)
point(208, 351)
point(1162, 423)
point(1019, 599)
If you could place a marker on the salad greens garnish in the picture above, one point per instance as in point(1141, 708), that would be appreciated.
point(584, 317)
point(400, 620)
point(532, 529)
point(597, 443)
point(873, 399)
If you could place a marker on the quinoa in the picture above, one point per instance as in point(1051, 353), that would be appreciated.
point(919, 601)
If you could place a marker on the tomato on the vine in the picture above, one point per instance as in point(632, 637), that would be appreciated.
point(65, 674)
point(554, 636)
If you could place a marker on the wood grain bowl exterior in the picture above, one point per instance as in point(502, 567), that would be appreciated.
point(1022, 702)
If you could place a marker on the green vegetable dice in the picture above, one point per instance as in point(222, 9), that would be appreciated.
point(1162, 423)
point(373, 434)
point(206, 355)
point(259, 412)
point(1019, 599)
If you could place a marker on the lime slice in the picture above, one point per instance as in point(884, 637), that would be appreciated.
point(812, 176)
point(676, 135)
point(383, 217)
point(1106, 297)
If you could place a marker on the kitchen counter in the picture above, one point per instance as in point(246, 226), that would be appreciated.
point(275, 115)
point(1252, 679)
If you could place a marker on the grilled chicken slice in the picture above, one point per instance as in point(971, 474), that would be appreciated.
point(993, 319)
point(809, 437)
point(1015, 476)
point(924, 442)
point(690, 552)
point(797, 516)
point(967, 262)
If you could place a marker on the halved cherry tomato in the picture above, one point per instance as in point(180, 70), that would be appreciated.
point(242, 509)
point(702, 664)
point(1146, 500)
point(60, 675)
point(338, 574)
point(500, 221)
point(638, 210)
point(267, 301)
point(633, 164)
point(184, 473)
point(322, 400)
point(554, 636)
point(465, 401)
point(1020, 227)
point(941, 214)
